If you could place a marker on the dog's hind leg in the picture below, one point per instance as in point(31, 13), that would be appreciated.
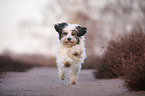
point(74, 74)
point(61, 73)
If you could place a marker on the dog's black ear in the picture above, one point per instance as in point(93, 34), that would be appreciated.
point(81, 30)
point(59, 27)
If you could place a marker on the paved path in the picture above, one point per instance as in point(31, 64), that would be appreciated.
point(44, 81)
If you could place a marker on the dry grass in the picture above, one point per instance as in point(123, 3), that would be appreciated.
point(7, 64)
point(22, 62)
point(125, 57)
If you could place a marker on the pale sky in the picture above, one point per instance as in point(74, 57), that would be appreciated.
point(11, 13)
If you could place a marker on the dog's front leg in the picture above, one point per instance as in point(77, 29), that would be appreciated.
point(67, 62)
point(63, 62)
point(76, 52)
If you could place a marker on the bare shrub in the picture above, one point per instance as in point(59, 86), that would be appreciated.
point(108, 62)
point(120, 51)
point(125, 57)
point(134, 75)
point(134, 66)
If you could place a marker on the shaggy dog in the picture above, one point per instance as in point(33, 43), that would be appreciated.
point(70, 52)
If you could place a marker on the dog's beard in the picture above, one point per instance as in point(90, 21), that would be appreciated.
point(68, 43)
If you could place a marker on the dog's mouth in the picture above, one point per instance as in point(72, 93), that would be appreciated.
point(69, 42)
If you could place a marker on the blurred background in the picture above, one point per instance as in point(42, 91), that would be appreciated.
point(27, 36)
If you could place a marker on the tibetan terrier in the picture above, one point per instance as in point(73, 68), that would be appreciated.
point(70, 52)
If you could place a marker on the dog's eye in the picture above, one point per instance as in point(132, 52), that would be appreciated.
point(73, 34)
point(65, 33)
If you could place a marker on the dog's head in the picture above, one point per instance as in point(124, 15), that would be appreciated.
point(70, 34)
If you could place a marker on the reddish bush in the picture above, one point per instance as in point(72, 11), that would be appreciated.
point(135, 73)
point(125, 57)
point(104, 68)
point(134, 67)
point(108, 65)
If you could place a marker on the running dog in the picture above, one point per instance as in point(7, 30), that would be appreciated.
point(70, 52)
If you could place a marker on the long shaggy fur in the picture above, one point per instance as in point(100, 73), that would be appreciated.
point(70, 52)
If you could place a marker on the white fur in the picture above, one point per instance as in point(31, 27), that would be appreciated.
point(66, 54)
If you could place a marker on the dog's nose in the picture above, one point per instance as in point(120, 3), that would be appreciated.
point(68, 39)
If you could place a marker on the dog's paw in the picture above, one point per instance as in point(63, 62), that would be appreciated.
point(77, 53)
point(73, 80)
point(67, 62)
